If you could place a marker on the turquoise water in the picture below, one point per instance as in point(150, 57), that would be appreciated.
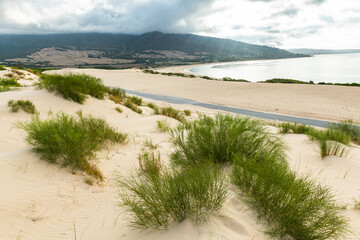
point(335, 68)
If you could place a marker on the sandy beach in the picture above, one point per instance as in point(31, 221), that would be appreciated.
point(332, 103)
point(41, 201)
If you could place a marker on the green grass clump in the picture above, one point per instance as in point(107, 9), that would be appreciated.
point(136, 100)
point(220, 138)
point(228, 79)
point(293, 207)
point(2, 67)
point(162, 126)
point(187, 112)
point(331, 142)
point(26, 105)
point(295, 128)
point(173, 113)
point(284, 80)
point(149, 162)
point(132, 106)
point(349, 128)
point(6, 83)
point(150, 145)
point(154, 107)
point(119, 109)
point(157, 200)
point(74, 87)
point(70, 140)
point(117, 95)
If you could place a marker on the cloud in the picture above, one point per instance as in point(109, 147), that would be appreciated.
point(289, 12)
point(316, 2)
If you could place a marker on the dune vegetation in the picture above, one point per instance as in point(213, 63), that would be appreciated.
point(70, 140)
point(74, 87)
point(7, 83)
point(26, 105)
point(350, 128)
point(194, 185)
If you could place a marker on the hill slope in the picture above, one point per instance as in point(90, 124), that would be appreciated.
point(154, 47)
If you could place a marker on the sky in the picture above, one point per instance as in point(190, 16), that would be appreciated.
point(332, 24)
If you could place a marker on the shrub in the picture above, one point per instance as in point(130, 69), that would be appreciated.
point(136, 100)
point(294, 208)
point(155, 201)
point(149, 163)
point(162, 126)
point(74, 86)
point(349, 128)
point(295, 128)
point(173, 113)
point(132, 106)
point(187, 112)
point(117, 95)
point(70, 141)
point(220, 138)
point(284, 80)
point(119, 109)
point(153, 107)
point(25, 105)
point(9, 82)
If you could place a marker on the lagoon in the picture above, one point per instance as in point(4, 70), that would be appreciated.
point(330, 68)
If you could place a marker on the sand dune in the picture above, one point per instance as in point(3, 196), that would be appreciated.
point(43, 201)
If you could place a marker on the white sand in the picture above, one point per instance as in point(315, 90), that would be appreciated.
point(43, 201)
point(333, 103)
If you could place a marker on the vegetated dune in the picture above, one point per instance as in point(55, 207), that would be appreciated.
point(43, 201)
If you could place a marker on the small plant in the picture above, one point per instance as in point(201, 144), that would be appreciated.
point(132, 106)
point(119, 109)
point(349, 128)
point(149, 163)
point(89, 181)
point(2, 67)
point(187, 112)
point(136, 100)
point(154, 107)
point(293, 207)
point(74, 87)
point(162, 126)
point(173, 113)
point(155, 201)
point(26, 105)
point(295, 128)
point(6, 84)
point(220, 138)
point(331, 142)
point(70, 141)
point(117, 95)
point(150, 145)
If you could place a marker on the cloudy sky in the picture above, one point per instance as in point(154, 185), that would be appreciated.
point(279, 23)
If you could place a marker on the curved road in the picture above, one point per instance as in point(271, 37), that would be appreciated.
point(263, 115)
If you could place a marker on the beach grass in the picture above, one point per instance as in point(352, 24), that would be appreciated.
point(220, 138)
point(7, 83)
point(74, 87)
point(26, 105)
point(173, 113)
point(149, 162)
point(187, 112)
point(293, 207)
point(162, 126)
point(156, 200)
point(349, 128)
point(70, 140)
point(296, 128)
point(119, 109)
point(154, 107)
point(129, 104)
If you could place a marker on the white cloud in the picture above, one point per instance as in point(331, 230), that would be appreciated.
point(281, 23)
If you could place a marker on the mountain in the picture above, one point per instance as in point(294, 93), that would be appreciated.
point(99, 49)
point(322, 51)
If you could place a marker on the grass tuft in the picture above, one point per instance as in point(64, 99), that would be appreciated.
point(156, 201)
point(26, 105)
point(162, 126)
point(132, 106)
point(149, 163)
point(295, 128)
point(154, 107)
point(74, 87)
point(119, 109)
point(187, 112)
point(220, 138)
point(294, 208)
point(349, 128)
point(70, 141)
point(173, 113)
